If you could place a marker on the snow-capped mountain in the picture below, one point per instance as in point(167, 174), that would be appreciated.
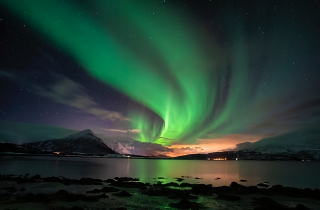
point(118, 147)
point(300, 144)
point(302, 140)
point(82, 142)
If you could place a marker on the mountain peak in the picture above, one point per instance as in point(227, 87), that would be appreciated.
point(86, 132)
point(83, 134)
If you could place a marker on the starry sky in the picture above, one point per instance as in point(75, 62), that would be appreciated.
point(187, 76)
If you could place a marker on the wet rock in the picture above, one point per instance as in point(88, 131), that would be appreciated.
point(288, 191)
point(66, 181)
point(217, 178)
point(171, 184)
point(301, 207)
point(94, 191)
point(253, 190)
point(25, 180)
point(88, 198)
point(109, 189)
point(103, 196)
point(62, 192)
point(223, 190)
point(190, 196)
point(309, 193)
point(76, 208)
point(202, 189)
point(90, 181)
point(236, 185)
point(110, 181)
point(143, 189)
point(185, 185)
point(125, 179)
point(5, 195)
point(186, 204)
point(162, 191)
point(229, 197)
point(181, 194)
point(263, 185)
point(66, 198)
point(34, 198)
point(37, 176)
point(158, 183)
point(123, 194)
point(179, 179)
point(51, 179)
point(128, 184)
point(267, 203)
point(10, 189)
point(63, 195)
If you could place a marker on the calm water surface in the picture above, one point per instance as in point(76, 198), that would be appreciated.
point(294, 174)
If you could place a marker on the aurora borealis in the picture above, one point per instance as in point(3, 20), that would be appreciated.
point(178, 70)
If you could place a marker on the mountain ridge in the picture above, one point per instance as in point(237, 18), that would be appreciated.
point(85, 142)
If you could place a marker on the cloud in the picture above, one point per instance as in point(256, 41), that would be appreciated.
point(116, 130)
point(20, 132)
point(68, 92)
point(137, 147)
point(194, 149)
point(7, 74)
point(135, 131)
point(122, 130)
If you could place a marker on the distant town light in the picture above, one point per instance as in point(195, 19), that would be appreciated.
point(219, 158)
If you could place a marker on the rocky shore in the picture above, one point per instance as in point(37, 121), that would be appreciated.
point(36, 192)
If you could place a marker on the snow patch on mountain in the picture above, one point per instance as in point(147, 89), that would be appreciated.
point(118, 147)
point(301, 140)
point(88, 134)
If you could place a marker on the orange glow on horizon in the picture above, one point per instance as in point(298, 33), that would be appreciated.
point(204, 146)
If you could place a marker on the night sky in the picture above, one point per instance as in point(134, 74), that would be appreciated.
point(189, 75)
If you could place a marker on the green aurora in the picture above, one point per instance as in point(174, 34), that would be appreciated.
point(164, 59)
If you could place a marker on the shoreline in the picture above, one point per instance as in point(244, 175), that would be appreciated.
point(149, 158)
point(36, 192)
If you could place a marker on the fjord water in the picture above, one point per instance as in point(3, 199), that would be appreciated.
point(287, 173)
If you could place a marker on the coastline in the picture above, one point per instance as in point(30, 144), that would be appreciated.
point(36, 192)
point(144, 157)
